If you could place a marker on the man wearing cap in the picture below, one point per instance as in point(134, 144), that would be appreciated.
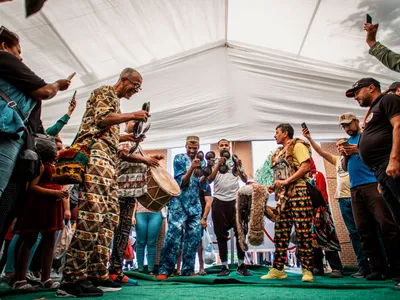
point(185, 211)
point(368, 206)
point(380, 142)
point(378, 149)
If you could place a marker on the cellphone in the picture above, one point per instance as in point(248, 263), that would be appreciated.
point(368, 19)
point(73, 96)
point(345, 143)
point(303, 125)
point(71, 76)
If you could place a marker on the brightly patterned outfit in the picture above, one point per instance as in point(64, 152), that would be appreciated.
point(185, 211)
point(296, 209)
point(98, 208)
point(132, 184)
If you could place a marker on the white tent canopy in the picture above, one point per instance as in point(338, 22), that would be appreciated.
point(214, 68)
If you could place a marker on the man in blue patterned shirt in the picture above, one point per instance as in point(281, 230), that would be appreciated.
point(185, 211)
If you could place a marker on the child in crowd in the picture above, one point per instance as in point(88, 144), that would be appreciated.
point(45, 210)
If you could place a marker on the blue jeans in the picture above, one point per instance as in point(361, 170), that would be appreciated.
point(347, 214)
point(148, 225)
point(10, 266)
point(9, 150)
point(390, 190)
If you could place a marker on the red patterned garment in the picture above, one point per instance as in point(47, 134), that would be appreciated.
point(42, 213)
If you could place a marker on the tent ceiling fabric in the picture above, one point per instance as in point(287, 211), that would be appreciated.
point(195, 84)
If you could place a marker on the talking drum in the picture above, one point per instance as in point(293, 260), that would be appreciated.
point(161, 188)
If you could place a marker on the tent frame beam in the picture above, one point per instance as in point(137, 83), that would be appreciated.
point(309, 27)
point(226, 21)
point(65, 44)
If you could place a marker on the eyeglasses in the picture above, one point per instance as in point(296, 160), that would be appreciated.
point(136, 86)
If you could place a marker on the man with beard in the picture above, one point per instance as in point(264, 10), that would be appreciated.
point(380, 142)
point(369, 208)
point(184, 211)
point(226, 186)
point(86, 272)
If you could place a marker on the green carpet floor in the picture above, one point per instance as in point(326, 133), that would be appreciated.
point(236, 287)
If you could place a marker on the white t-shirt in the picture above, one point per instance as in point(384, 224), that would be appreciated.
point(342, 180)
point(226, 185)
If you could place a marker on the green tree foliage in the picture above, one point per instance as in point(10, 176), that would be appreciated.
point(264, 175)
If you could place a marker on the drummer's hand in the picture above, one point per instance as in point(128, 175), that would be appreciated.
point(195, 163)
point(133, 221)
point(151, 161)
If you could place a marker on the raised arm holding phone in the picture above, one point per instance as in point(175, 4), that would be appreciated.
point(387, 57)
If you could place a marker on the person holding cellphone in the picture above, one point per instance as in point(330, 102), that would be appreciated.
point(386, 56)
point(369, 208)
point(343, 196)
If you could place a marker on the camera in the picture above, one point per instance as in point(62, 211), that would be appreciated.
point(223, 169)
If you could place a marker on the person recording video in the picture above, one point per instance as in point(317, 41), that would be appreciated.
point(386, 56)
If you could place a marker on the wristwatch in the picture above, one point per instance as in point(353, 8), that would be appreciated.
point(205, 218)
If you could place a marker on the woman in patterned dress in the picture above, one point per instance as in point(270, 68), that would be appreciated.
point(324, 233)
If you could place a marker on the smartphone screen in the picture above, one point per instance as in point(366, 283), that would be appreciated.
point(345, 143)
point(368, 19)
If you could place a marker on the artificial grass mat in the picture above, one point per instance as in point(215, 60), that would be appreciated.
point(237, 287)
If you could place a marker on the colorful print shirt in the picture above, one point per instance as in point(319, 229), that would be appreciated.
point(189, 200)
point(102, 102)
point(132, 177)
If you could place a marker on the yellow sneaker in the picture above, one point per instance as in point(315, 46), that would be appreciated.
point(307, 276)
point(275, 274)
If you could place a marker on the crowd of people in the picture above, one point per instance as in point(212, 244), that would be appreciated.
point(104, 206)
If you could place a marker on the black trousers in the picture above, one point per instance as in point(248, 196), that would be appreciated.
point(390, 189)
point(370, 210)
point(224, 219)
point(332, 257)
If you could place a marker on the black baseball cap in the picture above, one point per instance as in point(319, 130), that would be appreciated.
point(393, 87)
point(360, 84)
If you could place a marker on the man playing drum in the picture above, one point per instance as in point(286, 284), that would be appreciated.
point(185, 211)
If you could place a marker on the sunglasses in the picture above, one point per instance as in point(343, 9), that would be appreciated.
point(136, 86)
